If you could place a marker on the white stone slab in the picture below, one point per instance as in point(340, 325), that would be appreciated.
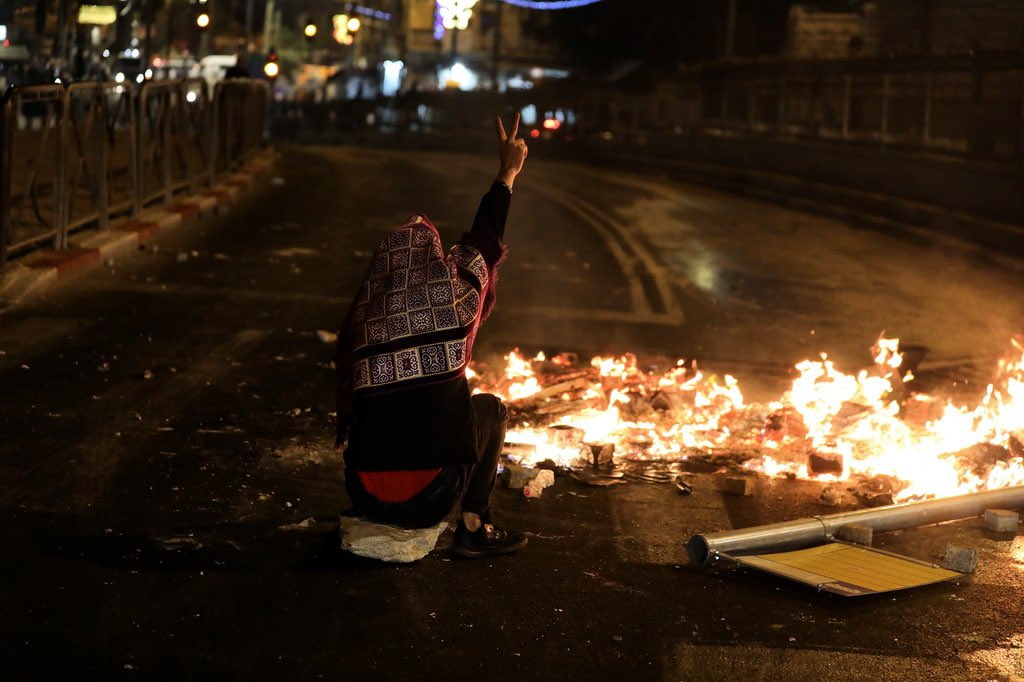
point(388, 543)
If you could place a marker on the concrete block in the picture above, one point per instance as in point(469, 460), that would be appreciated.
point(544, 479)
point(565, 436)
point(1001, 520)
point(825, 463)
point(961, 559)
point(743, 487)
point(857, 534)
point(519, 451)
point(517, 477)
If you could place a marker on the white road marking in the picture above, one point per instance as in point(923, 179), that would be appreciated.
point(627, 263)
point(608, 229)
point(650, 263)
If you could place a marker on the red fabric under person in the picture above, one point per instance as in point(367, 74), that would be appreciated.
point(397, 486)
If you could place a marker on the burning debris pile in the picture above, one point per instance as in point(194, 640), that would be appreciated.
point(871, 426)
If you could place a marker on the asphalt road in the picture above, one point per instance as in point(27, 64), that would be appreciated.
point(166, 420)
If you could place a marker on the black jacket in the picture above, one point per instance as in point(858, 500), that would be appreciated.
point(403, 400)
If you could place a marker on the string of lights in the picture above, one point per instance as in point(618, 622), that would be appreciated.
point(454, 14)
point(550, 4)
point(369, 12)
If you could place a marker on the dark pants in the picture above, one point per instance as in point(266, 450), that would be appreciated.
point(473, 483)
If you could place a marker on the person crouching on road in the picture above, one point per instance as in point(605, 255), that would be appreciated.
point(418, 442)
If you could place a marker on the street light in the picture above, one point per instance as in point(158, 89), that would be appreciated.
point(344, 28)
point(203, 20)
point(271, 69)
point(455, 14)
point(309, 31)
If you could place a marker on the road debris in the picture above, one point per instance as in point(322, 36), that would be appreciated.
point(600, 479)
point(517, 477)
point(848, 570)
point(388, 543)
point(835, 496)
point(544, 479)
point(1001, 520)
point(683, 486)
point(960, 559)
point(326, 336)
point(704, 549)
point(857, 534)
point(603, 454)
point(300, 525)
point(742, 487)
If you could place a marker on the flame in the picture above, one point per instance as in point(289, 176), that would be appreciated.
point(522, 380)
point(871, 421)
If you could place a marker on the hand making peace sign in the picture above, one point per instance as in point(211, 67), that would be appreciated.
point(512, 151)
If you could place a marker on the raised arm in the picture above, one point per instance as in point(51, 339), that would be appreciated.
point(489, 224)
point(511, 150)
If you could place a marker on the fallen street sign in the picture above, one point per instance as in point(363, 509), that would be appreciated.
point(847, 570)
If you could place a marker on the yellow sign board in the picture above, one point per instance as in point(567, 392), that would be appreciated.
point(99, 15)
point(848, 570)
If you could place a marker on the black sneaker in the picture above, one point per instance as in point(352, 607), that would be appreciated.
point(486, 541)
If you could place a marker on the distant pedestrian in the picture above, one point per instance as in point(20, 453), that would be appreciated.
point(418, 442)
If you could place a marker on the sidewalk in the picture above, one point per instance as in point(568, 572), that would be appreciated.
point(40, 271)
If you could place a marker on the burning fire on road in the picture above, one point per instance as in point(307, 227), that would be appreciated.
point(871, 427)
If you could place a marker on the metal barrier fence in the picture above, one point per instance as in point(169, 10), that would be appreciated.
point(75, 156)
point(968, 105)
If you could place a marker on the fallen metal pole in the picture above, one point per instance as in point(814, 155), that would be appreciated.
point(704, 549)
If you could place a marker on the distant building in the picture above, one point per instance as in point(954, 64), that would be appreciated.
point(905, 27)
point(519, 50)
point(822, 34)
point(950, 26)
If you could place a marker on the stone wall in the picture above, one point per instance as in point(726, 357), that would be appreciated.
point(817, 34)
point(949, 26)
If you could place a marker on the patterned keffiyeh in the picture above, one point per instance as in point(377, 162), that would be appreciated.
point(416, 315)
point(403, 400)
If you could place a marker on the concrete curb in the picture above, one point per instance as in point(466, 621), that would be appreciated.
point(42, 271)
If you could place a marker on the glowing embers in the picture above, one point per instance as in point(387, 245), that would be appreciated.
point(869, 426)
point(878, 426)
point(643, 414)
